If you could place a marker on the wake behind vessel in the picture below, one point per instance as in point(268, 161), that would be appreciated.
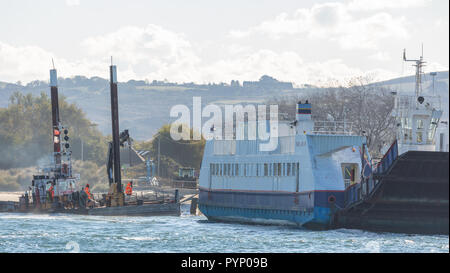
point(320, 176)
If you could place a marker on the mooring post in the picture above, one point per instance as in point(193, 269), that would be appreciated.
point(194, 204)
point(177, 196)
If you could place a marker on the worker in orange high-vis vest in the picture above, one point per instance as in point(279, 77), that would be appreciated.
point(86, 190)
point(51, 190)
point(129, 188)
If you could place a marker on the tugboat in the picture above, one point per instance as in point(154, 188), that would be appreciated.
point(56, 190)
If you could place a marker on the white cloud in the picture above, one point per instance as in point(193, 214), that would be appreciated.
point(360, 5)
point(333, 21)
point(286, 66)
point(22, 63)
point(151, 52)
point(380, 56)
point(72, 3)
point(29, 63)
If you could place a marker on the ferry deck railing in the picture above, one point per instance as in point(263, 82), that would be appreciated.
point(333, 127)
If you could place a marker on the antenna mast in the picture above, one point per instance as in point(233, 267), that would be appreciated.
point(419, 64)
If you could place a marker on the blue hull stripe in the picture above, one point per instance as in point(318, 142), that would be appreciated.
point(299, 208)
point(318, 218)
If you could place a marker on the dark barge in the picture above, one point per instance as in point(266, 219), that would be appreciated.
point(410, 196)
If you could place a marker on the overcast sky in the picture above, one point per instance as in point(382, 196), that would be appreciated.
point(217, 41)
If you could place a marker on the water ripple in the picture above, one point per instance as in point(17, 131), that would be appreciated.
point(62, 233)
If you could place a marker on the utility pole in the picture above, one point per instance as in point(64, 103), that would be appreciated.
point(115, 127)
point(159, 147)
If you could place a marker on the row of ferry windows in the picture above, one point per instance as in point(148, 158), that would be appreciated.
point(254, 169)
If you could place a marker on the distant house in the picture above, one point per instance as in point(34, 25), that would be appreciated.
point(267, 82)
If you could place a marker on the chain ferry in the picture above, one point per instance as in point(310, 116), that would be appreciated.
point(320, 176)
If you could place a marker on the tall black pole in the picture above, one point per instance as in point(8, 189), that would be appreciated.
point(55, 117)
point(115, 126)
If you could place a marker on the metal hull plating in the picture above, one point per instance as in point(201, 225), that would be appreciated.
point(308, 209)
point(411, 196)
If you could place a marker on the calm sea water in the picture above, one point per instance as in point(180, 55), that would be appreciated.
point(75, 233)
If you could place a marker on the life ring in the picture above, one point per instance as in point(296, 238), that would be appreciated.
point(331, 199)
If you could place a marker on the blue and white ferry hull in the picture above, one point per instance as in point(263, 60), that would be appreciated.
point(314, 210)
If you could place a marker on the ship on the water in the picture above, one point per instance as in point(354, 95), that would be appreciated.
point(409, 188)
point(55, 189)
point(320, 175)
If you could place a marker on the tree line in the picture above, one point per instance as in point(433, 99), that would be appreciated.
point(367, 106)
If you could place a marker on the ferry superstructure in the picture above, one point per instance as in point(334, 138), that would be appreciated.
point(314, 171)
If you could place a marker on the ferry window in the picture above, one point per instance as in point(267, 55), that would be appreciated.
point(288, 169)
point(229, 169)
point(279, 169)
point(275, 169)
point(217, 169)
point(419, 137)
point(408, 134)
point(211, 167)
point(220, 169)
point(349, 173)
point(419, 124)
point(266, 170)
point(245, 169)
point(432, 129)
point(405, 123)
point(257, 169)
point(293, 169)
